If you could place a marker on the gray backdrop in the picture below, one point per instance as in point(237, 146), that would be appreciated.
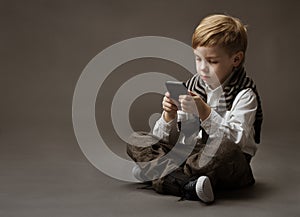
point(45, 45)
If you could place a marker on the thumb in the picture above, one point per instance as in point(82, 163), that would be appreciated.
point(192, 93)
point(167, 94)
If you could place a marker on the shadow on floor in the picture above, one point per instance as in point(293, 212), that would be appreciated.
point(258, 191)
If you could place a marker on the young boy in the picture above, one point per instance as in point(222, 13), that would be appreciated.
point(221, 118)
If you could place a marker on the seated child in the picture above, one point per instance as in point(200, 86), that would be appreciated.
point(220, 120)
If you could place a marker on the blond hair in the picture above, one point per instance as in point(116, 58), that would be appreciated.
point(223, 30)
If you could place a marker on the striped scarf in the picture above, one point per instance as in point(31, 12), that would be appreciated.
point(238, 81)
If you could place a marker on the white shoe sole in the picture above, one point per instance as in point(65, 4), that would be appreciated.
point(136, 172)
point(204, 189)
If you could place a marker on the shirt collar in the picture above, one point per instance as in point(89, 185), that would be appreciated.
point(209, 89)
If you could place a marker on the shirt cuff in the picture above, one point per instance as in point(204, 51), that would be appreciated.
point(166, 125)
point(212, 123)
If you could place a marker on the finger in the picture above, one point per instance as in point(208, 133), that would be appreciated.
point(168, 100)
point(186, 105)
point(188, 109)
point(185, 98)
point(196, 98)
point(172, 101)
point(185, 108)
point(169, 106)
point(182, 97)
point(192, 93)
point(169, 109)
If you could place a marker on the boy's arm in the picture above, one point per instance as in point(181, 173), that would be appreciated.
point(167, 131)
point(170, 131)
point(166, 127)
point(237, 123)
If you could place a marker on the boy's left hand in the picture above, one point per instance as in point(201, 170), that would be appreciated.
point(190, 103)
point(194, 104)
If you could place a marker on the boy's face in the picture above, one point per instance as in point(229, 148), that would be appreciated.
point(215, 65)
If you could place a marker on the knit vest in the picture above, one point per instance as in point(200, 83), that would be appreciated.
point(237, 82)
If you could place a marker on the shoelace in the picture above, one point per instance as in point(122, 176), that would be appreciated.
point(189, 191)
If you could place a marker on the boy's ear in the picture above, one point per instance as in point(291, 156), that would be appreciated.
point(237, 58)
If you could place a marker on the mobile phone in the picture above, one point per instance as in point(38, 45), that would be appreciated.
point(176, 88)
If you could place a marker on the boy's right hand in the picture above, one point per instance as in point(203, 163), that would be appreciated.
point(169, 107)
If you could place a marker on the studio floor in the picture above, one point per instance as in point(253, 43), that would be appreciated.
point(45, 47)
point(44, 173)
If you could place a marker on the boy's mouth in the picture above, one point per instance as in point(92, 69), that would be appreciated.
point(204, 77)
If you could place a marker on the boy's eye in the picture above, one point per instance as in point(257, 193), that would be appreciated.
point(213, 61)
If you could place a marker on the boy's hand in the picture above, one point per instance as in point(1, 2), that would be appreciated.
point(170, 108)
point(193, 104)
point(189, 103)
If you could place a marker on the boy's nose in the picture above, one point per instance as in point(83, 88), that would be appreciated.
point(204, 66)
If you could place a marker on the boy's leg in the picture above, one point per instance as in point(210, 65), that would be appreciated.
point(227, 167)
point(171, 184)
point(145, 147)
point(174, 182)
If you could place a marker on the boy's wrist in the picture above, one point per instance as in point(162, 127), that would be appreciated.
point(204, 111)
point(168, 116)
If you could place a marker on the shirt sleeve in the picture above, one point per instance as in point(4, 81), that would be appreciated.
point(165, 130)
point(237, 123)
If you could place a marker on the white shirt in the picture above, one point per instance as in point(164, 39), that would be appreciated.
point(236, 124)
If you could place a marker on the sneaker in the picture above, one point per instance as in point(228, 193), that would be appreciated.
point(136, 172)
point(199, 189)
